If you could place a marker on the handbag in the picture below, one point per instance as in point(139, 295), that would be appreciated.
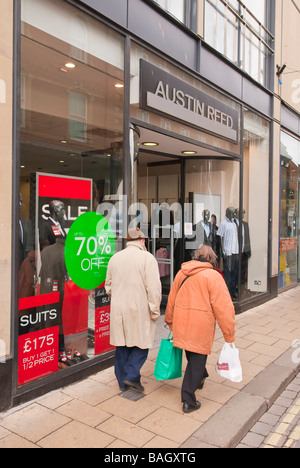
point(229, 365)
point(169, 361)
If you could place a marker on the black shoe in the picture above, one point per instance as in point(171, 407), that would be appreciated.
point(124, 388)
point(78, 357)
point(189, 408)
point(135, 385)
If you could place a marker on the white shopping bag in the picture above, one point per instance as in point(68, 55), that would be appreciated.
point(229, 365)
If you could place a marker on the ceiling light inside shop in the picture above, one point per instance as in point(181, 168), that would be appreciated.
point(70, 65)
point(119, 85)
point(150, 143)
point(189, 152)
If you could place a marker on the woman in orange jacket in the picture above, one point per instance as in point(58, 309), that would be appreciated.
point(198, 298)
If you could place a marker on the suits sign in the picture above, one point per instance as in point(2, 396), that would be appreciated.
point(38, 337)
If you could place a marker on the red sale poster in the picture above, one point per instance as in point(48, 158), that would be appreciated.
point(38, 337)
point(102, 322)
point(76, 195)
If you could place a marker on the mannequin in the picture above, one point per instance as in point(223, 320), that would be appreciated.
point(246, 245)
point(206, 226)
point(53, 228)
point(53, 276)
point(228, 233)
point(192, 242)
point(53, 271)
point(26, 243)
point(214, 239)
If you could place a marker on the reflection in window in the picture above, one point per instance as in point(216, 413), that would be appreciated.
point(175, 7)
point(78, 117)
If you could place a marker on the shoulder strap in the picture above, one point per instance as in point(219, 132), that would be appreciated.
point(187, 279)
point(183, 282)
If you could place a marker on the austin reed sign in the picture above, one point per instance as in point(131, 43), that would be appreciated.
point(163, 93)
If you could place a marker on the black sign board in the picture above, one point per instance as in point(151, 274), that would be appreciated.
point(163, 93)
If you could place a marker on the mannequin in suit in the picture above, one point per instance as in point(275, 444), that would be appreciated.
point(53, 228)
point(206, 227)
point(53, 271)
point(246, 246)
point(53, 276)
point(228, 233)
point(26, 243)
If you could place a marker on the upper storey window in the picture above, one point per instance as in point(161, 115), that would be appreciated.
point(240, 31)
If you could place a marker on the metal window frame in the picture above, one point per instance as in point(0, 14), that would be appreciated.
point(243, 24)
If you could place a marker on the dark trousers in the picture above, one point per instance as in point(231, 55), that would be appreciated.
point(194, 374)
point(128, 363)
point(231, 268)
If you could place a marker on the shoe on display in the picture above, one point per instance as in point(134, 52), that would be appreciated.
point(78, 356)
point(63, 357)
point(189, 408)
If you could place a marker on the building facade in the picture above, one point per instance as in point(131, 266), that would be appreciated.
point(181, 117)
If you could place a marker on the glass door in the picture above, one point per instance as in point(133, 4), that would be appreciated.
point(159, 196)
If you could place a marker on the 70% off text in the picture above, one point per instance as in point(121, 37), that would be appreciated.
point(93, 246)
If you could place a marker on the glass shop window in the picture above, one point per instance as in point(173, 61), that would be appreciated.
point(254, 216)
point(289, 213)
point(71, 162)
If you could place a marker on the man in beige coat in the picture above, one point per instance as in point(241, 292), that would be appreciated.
point(133, 283)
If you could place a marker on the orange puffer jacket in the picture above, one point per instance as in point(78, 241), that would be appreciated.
point(194, 307)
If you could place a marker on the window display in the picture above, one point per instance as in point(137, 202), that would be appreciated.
point(214, 214)
point(289, 215)
point(71, 161)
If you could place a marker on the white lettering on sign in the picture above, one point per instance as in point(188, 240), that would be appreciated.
point(72, 212)
point(185, 107)
point(192, 104)
point(2, 92)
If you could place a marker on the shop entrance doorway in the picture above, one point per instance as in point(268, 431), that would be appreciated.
point(160, 191)
point(184, 192)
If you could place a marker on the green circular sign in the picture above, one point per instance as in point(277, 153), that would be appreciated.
point(89, 246)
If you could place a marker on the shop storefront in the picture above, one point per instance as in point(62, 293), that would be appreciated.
point(113, 135)
point(289, 211)
point(204, 176)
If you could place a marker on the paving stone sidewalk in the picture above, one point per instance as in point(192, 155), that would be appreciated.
point(279, 427)
point(93, 412)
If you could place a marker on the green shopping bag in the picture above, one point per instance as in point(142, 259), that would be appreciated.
point(168, 364)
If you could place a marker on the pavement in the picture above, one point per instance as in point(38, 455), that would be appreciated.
point(262, 411)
